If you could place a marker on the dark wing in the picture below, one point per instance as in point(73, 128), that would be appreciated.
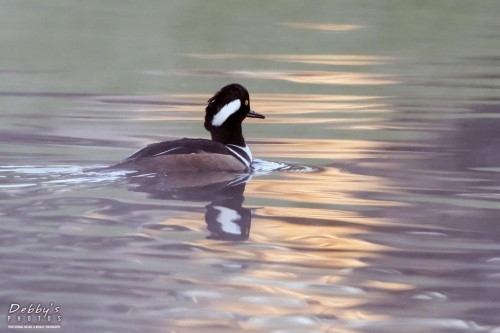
point(179, 147)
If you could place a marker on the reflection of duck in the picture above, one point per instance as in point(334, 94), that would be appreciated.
point(227, 151)
point(225, 215)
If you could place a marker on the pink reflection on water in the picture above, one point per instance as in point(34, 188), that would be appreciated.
point(319, 59)
point(322, 27)
point(309, 77)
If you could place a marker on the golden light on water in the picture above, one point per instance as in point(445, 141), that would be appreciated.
point(320, 191)
point(333, 238)
point(316, 148)
point(282, 253)
point(393, 286)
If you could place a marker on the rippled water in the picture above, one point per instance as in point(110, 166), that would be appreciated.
point(374, 201)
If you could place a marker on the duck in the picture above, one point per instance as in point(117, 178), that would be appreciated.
point(226, 151)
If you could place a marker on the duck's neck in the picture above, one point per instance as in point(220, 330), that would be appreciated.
point(229, 135)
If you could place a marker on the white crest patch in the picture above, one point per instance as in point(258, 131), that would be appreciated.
point(226, 111)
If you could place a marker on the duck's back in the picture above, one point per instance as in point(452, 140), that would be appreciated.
point(184, 155)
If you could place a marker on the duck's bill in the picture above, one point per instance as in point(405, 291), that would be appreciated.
point(253, 114)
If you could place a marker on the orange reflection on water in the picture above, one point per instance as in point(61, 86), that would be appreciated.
point(390, 286)
point(329, 187)
point(315, 246)
point(350, 218)
point(285, 251)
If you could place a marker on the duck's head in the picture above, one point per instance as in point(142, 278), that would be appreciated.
point(227, 109)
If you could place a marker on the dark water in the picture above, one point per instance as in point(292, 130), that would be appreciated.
point(374, 204)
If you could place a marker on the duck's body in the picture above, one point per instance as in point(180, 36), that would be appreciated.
point(226, 152)
point(187, 155)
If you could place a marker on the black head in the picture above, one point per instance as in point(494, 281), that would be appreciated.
point(228, 108)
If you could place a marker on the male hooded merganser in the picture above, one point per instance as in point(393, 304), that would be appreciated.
point(227, 151)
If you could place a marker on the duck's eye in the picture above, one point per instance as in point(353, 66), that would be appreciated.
point(246, 102)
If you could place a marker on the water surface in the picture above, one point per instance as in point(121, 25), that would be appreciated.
point(374, 204)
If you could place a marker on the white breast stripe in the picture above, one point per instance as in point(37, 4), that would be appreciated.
point(138, 150)
point(225, 112)
point(241, 158)
point(245, 149)
point(164, 152)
